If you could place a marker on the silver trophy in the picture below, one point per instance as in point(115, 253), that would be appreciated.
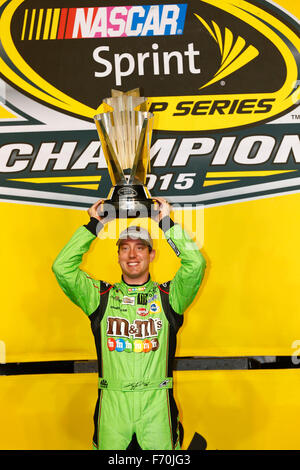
point(125, 130)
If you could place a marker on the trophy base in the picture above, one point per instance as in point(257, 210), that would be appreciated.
point(129, 202)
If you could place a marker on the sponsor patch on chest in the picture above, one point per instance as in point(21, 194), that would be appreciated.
point(140, 328)
point(128, 300)
point(142, 311)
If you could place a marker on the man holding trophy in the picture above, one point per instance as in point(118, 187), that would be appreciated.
point(134, 321)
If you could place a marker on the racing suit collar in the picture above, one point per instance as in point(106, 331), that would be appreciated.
point(135, 288)
point(136, 285)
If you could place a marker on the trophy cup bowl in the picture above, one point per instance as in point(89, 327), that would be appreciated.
point(125, 130)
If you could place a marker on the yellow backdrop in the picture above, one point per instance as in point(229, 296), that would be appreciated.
point(248, 303)
point(232, 410)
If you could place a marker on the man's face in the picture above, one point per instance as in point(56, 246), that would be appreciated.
point(134, 259)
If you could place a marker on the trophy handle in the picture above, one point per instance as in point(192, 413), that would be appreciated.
point(115, 171)
point(141, 161)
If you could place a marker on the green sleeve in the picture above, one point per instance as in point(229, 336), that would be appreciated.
point(185, 285)
point(76, 284)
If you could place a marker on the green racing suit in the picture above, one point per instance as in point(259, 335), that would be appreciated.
point(134, 328)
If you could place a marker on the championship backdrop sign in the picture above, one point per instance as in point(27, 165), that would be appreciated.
point(222, 77)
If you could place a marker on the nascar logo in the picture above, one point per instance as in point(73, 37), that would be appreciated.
point(104, 22)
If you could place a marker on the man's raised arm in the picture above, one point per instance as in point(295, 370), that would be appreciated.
point(187, 280)
point(76, 284)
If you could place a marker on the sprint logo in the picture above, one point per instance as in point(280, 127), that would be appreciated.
point(235, 53)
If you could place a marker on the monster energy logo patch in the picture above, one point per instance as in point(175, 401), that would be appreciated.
point(142, 299)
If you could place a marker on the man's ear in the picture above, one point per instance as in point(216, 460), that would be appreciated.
point(152, 255)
